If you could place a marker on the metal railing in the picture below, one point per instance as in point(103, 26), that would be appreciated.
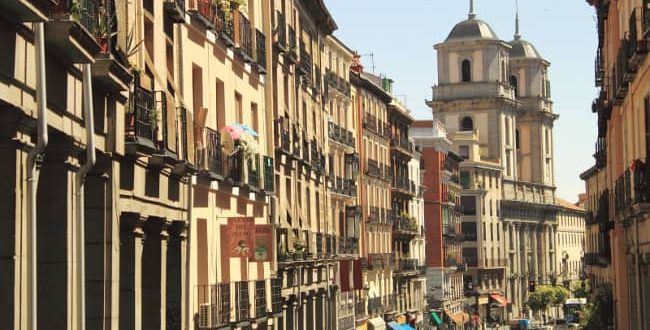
point(269, 178)
point(283, 134)
point(260, 49)
point(254, 170)
point(242, 302)
point(601, 152)
point(211, 156)
point(281, 30)
point(244, 35)
point(86, 12)
point(142, 116)
point(260, 299)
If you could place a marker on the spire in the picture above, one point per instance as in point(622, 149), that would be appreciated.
point(472, 14)
point(517, 34)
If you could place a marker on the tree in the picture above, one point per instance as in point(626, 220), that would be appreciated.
point(581, 289)
point(540, 299)
point(597, 314)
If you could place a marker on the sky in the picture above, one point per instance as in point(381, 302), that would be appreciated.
point(400, 35)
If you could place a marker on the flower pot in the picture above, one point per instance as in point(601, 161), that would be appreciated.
point(103, 45)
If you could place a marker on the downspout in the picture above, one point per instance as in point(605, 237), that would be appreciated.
point(188, 254)
point(79, 194)
point(34, 159)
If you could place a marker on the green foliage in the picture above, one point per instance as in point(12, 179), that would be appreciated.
point(546, 296)
point(595, 315)
point(581, 288)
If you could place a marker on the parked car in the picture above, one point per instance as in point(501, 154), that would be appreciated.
point(562, 324)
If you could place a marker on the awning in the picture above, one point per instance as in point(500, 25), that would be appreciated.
point(377, 323)
point(396, 326)
point(501, 300)
point(436, 318)
point(460, 318)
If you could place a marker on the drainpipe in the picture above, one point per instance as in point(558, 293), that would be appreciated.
point(79, 194)
point(34, 159)
point(188, 252)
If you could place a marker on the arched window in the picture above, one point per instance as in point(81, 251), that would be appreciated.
point(514, 83)
point(467, 124)
point(467, 71)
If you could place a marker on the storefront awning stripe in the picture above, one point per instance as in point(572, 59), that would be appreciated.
point(499, 299)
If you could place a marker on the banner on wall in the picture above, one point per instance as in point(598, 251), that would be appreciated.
point(263, 243)
point(241, 237)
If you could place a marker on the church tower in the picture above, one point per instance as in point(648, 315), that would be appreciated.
point(534, 129)
point(474, 92)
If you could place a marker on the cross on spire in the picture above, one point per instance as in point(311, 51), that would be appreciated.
point(472, 14)
point(517, 34)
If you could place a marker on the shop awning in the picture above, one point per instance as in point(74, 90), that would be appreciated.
point(396, 326)
point(376, 323)
point(460, 318)
point(501, 300)
point(436, 318)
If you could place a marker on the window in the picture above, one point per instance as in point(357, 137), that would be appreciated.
point(254, 119)
point(466, 71)
point(517, 139)
point(467, 124)
point(464, 179)
point(239, 108)
point(514, 83)
point(469, 204)
point(464, 151)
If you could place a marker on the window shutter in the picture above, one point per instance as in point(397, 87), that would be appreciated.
point(190, 139)
point(172, 124)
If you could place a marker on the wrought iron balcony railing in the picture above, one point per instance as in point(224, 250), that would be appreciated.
point(244, 36)
point(260, 299)
point(211, 155)
point(281, 31)
point(260, 50)
point(141, 123)
point(269, 178)
point(242, 302)
point(601, 152)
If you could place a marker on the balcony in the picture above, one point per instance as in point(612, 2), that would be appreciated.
point(260, 299)
point(334, 83)
point(206, 12)
point(370, 122)
point(404, 225)
point(601, 152)
point(638, 46)
point(242, 304)
point(175, 9)
point(596, 259)
point(244, 36)
point(254, 169)
point(599, 67)
point(341, 135)
point(281, 35)
point(214, 305)
point(406, 265)
point(645, 20)
point(141, 122)
point(379, 261)
point(348, 246)
point(225, 25)
point(360, 309)
point(283, 135)
point(211, 154)
point(632, 187)
point(403, 185)
point(293, 46)
point(372, 168)
point(276, 296)
point(236, 168)
point(342, 186)
point(27, 10)
point(70, 30)
point(375, 306)
point(260, 51)
point(306, 65)
point(269, 172)
point(403, 145)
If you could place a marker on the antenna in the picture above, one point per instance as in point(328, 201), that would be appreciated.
point(372, 59)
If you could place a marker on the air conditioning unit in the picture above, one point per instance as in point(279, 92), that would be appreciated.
point(205, 315)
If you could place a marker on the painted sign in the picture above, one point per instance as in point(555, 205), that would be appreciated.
point(241, 237)
point(263, 243)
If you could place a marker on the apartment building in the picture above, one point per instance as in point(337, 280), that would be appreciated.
point(222, 78)
point(307, 235)
point(571, 236)
point(618, 183)
point(370, 103)
point(343, 168)
point(443, 219)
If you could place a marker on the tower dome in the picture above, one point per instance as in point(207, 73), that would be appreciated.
point(520, 47)
point(471, 28)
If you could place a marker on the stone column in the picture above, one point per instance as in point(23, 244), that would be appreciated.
point(314, 311)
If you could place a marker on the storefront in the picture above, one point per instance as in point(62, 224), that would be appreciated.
point(496, 308)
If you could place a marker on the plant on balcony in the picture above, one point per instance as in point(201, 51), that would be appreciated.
point(248, 146)
point(104, 29)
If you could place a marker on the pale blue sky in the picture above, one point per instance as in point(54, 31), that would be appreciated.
point(401, 35)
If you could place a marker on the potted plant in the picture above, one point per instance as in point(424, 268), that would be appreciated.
point(103, 29)
point(299, 249)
